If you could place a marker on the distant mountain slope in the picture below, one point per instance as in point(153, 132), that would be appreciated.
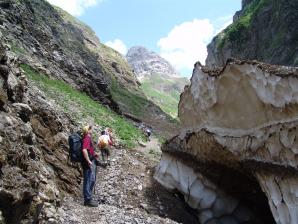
point(165, 91)
point(145, 62)
point(264, 30)
point(160, 81)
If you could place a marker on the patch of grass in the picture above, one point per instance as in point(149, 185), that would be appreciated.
point(167, 103)
point(235, 30)
point(154, 154)
point(164, 91)
point(134, 103)
point(16, 48)
point(79, 106)
point(161, 139)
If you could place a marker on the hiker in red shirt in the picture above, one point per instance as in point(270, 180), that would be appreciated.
point(89, 167)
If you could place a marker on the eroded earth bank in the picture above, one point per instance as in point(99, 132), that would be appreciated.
point(235, 159)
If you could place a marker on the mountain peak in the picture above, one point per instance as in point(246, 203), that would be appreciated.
point(146, 62)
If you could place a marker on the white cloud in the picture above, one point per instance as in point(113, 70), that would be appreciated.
point(225, 25)
point(117, 45)
point(222, 22)
point(187, 43)
point(74, 7)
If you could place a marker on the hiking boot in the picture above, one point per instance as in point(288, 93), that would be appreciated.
point(97, 163)
point(100, 164)
point(91, 203)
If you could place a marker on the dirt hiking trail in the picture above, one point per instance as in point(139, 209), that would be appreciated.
point(127, 193)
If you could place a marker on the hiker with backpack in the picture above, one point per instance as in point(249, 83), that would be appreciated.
point(148, 133)
point(81, 150)
point(104, 142)
point(89, 166)
point(108, 131)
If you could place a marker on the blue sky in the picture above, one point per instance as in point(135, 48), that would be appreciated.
point(178, 30)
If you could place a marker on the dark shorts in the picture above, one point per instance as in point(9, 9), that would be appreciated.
point(105, 152)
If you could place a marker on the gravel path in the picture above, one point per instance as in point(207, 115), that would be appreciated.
point(127, 193)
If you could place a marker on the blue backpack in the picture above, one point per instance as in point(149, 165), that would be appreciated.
point(75, 142)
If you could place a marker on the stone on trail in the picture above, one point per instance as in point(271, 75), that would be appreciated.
point(142, 144)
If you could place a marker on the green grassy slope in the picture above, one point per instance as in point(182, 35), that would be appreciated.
point(81, 107)
point(164, 91)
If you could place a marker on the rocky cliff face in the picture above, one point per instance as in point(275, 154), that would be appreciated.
point(55, 43)
point(264, 30)
point(34, 173)
point(236, 155)
point(145, 63)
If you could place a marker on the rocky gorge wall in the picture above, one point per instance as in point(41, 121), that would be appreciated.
point(237, 150)
point(34, 173)
point(55, 43)
point(264, 30)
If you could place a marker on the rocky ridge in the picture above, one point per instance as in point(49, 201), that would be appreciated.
point(234, 160)
point(145, 63)
point(263, 30)
point(161, 83)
